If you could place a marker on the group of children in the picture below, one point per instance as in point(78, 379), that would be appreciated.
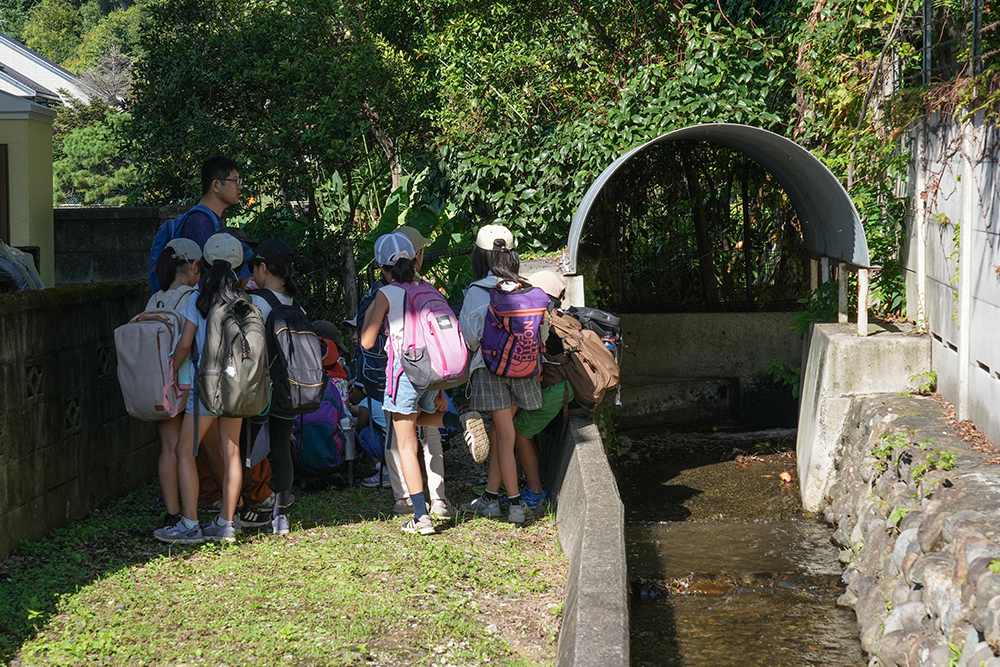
point(516, 404)
point(196, 280)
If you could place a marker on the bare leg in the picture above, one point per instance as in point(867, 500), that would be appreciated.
point(187, 469)
point(216, 464)
point(493, 476)
point(528, 456)
point(406, 440)
point(232, 484)
point(503, 423)
point(170, 432)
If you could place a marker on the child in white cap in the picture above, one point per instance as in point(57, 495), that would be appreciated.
point(407, 406)
point(178, 269)
point(222, 255)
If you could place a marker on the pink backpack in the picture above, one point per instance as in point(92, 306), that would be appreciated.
point(434, 355)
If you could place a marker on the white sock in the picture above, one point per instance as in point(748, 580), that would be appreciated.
point(189, 524)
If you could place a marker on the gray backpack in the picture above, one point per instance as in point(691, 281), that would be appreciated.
point(233, 378)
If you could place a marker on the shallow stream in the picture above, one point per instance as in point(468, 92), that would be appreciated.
point(725, 568)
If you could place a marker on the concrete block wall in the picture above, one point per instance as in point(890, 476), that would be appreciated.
point(67, 445)
point(103, 244)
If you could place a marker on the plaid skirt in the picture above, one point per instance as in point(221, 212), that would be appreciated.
point(494, 392)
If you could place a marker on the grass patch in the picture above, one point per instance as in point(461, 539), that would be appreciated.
point(346, 587)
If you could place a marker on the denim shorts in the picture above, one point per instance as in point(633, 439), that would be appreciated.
point(202, 410)
point(409, 399)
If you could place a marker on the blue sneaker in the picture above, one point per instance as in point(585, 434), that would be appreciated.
point(178, 534)
point(532, 499)
point(216, 533)
point(279, 524)
point(380, 478)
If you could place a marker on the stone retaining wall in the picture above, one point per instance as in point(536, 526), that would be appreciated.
point(67, 445)
point(918, 523)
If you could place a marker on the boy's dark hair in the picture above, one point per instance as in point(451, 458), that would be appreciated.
point(217, 285)
point(503, 261)
point(216, 168)
point(403, 270)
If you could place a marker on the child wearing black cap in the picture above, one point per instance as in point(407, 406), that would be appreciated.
point(271, 266)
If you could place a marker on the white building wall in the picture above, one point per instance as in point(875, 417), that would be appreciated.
point(959, 199)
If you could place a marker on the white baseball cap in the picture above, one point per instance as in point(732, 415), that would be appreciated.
point(223, 247)
point(549, 281)
point(184, 248)
point(490, 233)
point(392, 247)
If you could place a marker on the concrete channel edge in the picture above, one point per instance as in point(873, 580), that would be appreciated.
point(591, 523)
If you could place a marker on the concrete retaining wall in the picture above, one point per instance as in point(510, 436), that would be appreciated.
point(103, 244)
point(917, 521)
point(591, 519)
point(67, 445)
point(839, 367)
point(707, 368)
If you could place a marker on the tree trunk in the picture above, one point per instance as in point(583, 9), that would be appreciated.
point(802, 106)
point(350, 278)
point(706, 268)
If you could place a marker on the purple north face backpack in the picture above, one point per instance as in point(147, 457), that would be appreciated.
point(510, 334)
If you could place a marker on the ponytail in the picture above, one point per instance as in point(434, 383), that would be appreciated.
point(503, 261)
point(166, 267)
point(218, 285)
point(285, 273)
point(404, 271)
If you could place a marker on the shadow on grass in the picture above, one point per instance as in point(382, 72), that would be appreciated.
point(38, 575)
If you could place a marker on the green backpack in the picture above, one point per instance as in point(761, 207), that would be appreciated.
point(233, 378)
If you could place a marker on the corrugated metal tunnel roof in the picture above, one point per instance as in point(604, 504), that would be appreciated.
point(831, 226)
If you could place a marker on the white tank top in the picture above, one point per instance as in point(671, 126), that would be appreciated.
point(396, 296)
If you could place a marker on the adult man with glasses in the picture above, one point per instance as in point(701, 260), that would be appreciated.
point(221, 187)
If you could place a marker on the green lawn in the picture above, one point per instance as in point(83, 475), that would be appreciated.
point(346, 587)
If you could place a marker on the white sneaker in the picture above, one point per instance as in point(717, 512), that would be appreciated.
point(422, 526)
point(481, 507)
point(442, 509)
point(518, 513)
point(476, 437)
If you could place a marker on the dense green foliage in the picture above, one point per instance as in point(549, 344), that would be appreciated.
point(508, 111)
point(89, 167)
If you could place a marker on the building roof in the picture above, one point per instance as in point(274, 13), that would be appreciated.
point(26, 74)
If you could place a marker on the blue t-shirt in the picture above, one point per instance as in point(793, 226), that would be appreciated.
point(191, 313)
point(199, 226)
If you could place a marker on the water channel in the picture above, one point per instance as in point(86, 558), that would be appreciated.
point(725, 569)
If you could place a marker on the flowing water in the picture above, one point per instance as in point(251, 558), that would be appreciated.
point(725, 568)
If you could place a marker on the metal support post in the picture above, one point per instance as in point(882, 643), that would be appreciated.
point(842, 293)
point(862, 302)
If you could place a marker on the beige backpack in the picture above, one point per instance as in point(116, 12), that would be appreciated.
point(146, 369)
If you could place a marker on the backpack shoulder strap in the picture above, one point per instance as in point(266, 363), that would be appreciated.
point(271, 298)
point(183, 293)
